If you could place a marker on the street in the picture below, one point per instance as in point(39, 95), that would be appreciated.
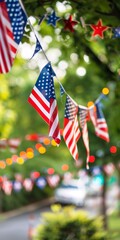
point(18, 227)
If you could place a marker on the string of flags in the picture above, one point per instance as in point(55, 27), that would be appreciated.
point(28, 183)
point(43, 97)
point(69, 23)
point(51, 179)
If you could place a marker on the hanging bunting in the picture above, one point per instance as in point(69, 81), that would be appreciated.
point(98, 29)
point(71, 131)
point(43, 99)
point(37, 47)
point(13, 144)
point(83, 113)
point(52, 19)
point(53, 180)
point(41, 182)
point(28, 184)
point(13, 20)
point(69, 24)
point(17, 186)
point(101, 128)
point(7, 187)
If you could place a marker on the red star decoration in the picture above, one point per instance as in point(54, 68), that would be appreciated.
point(69, 24)
point(98, 29)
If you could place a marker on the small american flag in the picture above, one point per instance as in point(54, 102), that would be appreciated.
point(83, 113)
point(53, 180)
point(38, 47)
point(71, 131)
point(101, 128)
point(92, 114)
point(116, 32)
point(12, 23)
point(43, 99)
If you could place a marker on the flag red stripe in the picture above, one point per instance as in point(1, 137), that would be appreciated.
point(71, 136)
point(8, 47)
point(54, 122)
point(40, 100)
point(5, 60)
point(38, 110)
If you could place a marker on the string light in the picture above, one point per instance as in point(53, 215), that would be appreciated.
point(50, 171)
point(113, 149)
point(92, 159)
point(89, 104)
point(2, 164)
point(23, 154)
point(20, 160)
point(53, 143)
point(105, 91)
point(42, 150)
point(46, 141)
point(38, 145)
point(65, 167)
point(30, 154)
point(9, 161)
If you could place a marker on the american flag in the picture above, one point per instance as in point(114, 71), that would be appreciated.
point(116, 32)
point(43, 99)
point(12, 23)
point(92, 114)
point(71, 131)
point(83, 113)
point(101, 128)
point(53, 180)
point(38, 47)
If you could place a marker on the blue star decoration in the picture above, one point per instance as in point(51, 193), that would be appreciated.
point(52, 19)
point(116, 32)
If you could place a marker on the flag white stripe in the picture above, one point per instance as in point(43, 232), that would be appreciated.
point(7, 62)
point(39, 105)
point(102, 133)
point(102, 125)
point(41, 96)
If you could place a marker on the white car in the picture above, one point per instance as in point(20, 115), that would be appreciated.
point(72, 192)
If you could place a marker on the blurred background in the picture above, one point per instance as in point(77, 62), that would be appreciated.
point(34, 171)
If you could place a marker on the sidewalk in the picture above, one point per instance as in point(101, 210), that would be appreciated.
point(28, 208)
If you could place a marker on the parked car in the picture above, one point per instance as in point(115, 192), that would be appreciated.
point(72, 192)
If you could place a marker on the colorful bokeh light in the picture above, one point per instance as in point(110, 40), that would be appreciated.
point(92, 159)
point(65, 167)
point(105, 91)
point(53, 143)
point(50, 171)
point(113, 149)
point(42, 150)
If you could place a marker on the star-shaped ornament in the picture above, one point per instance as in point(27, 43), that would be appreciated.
point(69, 24)
point(98, 29)
point(52, 19)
